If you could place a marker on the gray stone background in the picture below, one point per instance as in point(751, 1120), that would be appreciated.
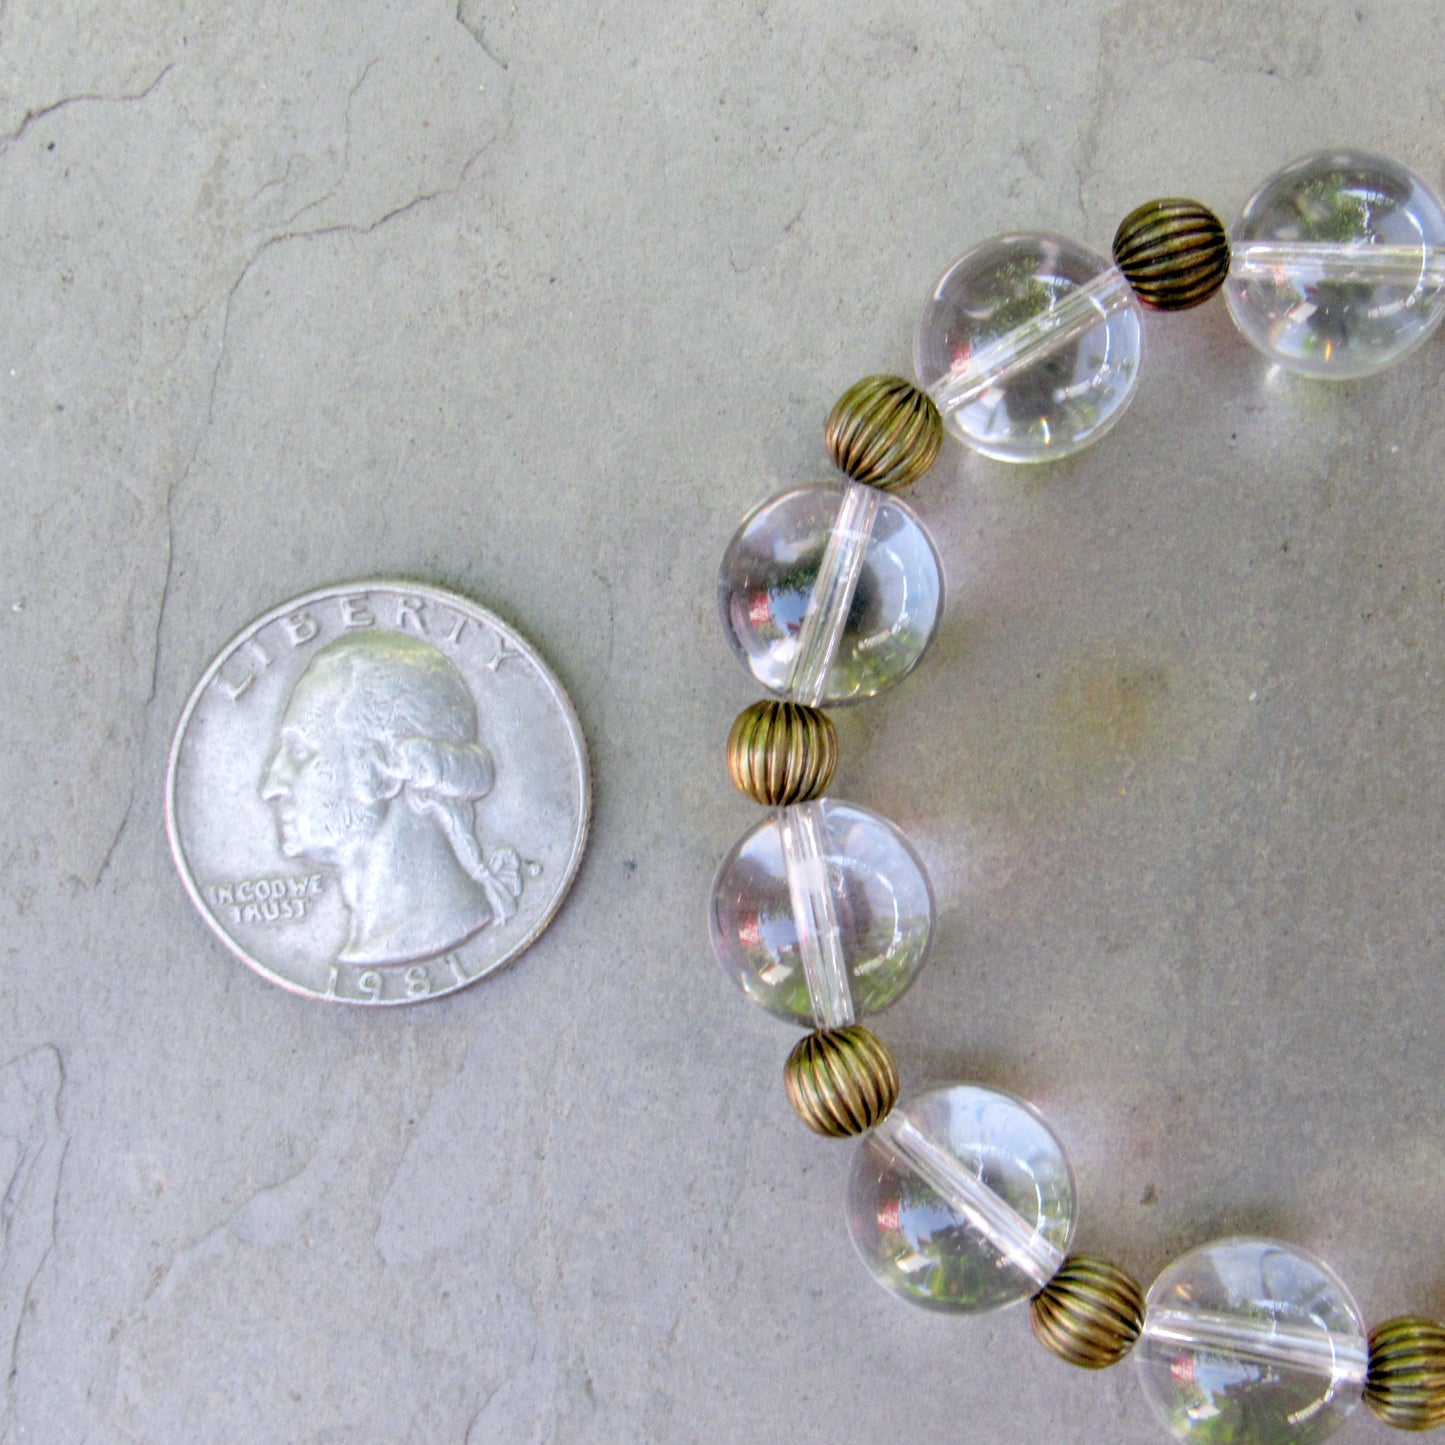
point(533, 301)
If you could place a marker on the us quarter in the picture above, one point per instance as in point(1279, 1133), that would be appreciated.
point(377, 794)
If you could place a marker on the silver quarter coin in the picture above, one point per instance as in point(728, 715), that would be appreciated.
point(377, 794)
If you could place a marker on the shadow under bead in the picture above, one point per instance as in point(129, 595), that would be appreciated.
point(781, 753)
point(885, 432)
point(1405, 1385)
point(841, 1082)
point(1174, 253)
point(1090, 1313)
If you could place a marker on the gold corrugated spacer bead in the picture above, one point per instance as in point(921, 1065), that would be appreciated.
point(884, 431)
point(841, 1082)
point(782, 752)
point(1405, 1385)
point(1174, 253)
point(1090, 1313)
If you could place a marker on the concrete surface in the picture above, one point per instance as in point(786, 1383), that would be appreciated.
point(533, 301)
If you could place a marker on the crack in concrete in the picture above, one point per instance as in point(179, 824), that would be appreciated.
point(282, 180)
point(170, 552)
point(161, 605)
point(40, 1129)
point(469, 17)
point(606, 584)
point(41, 112)
point(105, 862)
point(29, 1293)
point(345, 146)
point(339, 228)
point(496, 1390)
point(213, 1240)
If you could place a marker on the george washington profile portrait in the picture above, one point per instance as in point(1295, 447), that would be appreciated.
point(376, 773)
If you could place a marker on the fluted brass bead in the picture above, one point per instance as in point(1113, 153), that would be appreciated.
point(1405, 1385)
point(1090, 1313)
point(841, 1082)
point(884, 431)
point(782, 752)
point(1174, 253)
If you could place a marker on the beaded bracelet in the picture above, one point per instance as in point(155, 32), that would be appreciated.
point(961, 1198)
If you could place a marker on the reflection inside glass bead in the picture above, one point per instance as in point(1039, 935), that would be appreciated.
point(1254, 1342)
point(1338, 265)
point(961, 1200)
point(878, 907)
point(827, 644)
point(1030, 345)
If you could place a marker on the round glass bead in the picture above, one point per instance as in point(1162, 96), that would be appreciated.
point(867, 892)
point(962, 1200)
point(1030, 345)
point(1253, 1342)
point(772, 605)
point(1338, 265)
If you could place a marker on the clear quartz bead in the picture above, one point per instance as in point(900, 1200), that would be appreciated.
point(962, 1200)
point(822, 913)
point(1030, 345)
point(1253, 1342)
point(1338, 265)
point(830, 594)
